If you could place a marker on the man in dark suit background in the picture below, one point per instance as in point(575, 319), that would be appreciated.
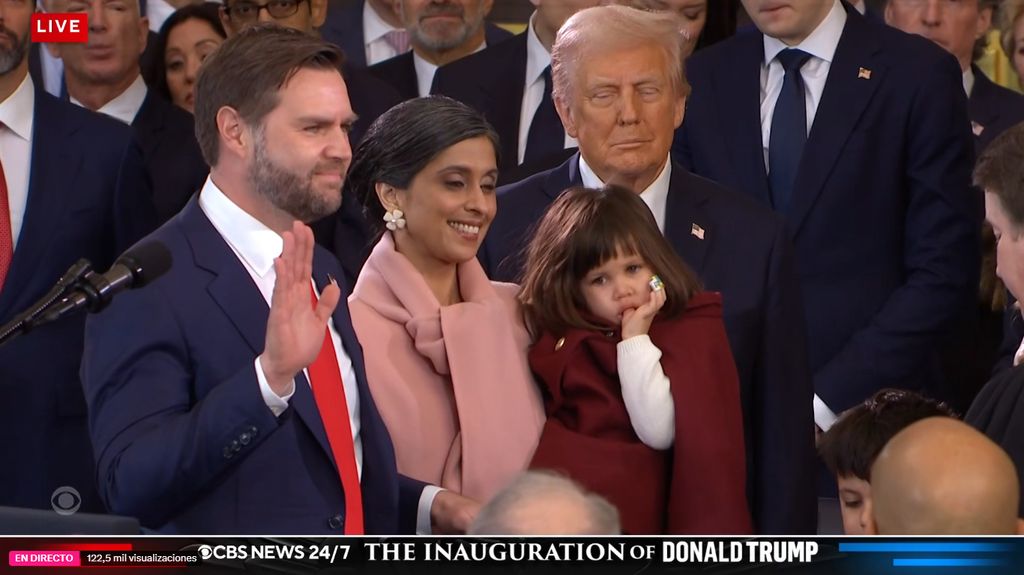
point(440, 32)
point(864, 147)
point(72, 186)
point(620, 92)
point(367, 31)
point(104, 76)
point(229, 396)
point(510, 84)
point(961, 29)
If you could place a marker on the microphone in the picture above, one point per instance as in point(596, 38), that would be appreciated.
point(138, 266)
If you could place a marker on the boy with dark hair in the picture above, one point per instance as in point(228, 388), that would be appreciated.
point(852, 444)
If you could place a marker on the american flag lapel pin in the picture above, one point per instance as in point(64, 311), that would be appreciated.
point(977, 128)
point(863, 74)
point(696, 230)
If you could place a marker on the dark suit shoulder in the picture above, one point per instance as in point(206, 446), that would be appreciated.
point(469, 74)
point(400, 73)
point(495, 34)
point(738, 210)
point(52, 113)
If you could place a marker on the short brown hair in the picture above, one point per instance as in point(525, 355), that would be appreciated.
point(247, 71)
point(582, 229)
point(1000, 171)
point(850, 447)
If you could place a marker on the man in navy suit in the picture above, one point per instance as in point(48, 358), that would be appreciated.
point(620, 92)
point(440, 32)
point(108, 80)
point(229, 396)
point(962, 29)
point(510, 85)
point(73, 186)
point(857, 134)
point(367, 31)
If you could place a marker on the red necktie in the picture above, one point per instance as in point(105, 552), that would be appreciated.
point(6, 234)
point(329, 393)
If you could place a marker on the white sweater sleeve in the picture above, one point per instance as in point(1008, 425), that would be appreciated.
point(646, 391)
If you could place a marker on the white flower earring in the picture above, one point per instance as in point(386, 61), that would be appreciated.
point(394, 219)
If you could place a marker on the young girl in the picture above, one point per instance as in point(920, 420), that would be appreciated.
point(640, 387)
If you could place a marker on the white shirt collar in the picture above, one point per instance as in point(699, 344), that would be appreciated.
point(968, 81)
point(17, 112)
point(655, 195)
point(374, 27)
point(250, 239)
point(537, 56)
point(425, 71)
point(859, 6)
point(821, 43)
point(127, 104)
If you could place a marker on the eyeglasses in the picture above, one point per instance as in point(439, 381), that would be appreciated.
point(248, 12)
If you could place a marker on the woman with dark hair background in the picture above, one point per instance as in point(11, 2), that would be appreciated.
point(445, 348)
point(187, 37)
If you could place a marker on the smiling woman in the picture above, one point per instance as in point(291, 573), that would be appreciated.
point(444, 346)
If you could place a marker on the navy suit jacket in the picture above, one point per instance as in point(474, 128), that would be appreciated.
point(746, 255)
point(400, 71)
point(883, 216)
point(171, 152)
point(183, 438)
point(343, 27)
point(993, 109)
point(88, 197)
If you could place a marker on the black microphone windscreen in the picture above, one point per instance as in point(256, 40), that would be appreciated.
point(147, 261)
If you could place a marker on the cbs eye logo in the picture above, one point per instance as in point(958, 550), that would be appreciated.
point(65, 500)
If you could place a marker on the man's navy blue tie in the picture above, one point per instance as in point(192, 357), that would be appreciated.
point(546, 136)
point(789, 130)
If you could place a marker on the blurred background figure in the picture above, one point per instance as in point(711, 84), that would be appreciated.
point(104, 75)
point(998, 411)
point(187, 37)
point(692, 16)
point(1011, 31)
point(940, 476)
point(440, 32)
point(850, 446)
point(367, 31)
point(545, 503)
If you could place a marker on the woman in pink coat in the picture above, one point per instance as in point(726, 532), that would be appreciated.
point(445, 347)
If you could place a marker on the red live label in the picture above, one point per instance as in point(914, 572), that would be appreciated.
point(60, 27)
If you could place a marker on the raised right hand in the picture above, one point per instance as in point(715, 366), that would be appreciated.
point(295, 329)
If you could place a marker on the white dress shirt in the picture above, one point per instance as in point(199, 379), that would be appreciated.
point(655, 196)
point(537, 59)
point(157, 11)
point(256, 246)
point(126, 105)
point(425, 71)
point(968, 81)
point(17, 114)
point(374, 29)
point(821, 44)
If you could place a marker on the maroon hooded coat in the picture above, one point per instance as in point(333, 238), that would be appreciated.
point(697, 486)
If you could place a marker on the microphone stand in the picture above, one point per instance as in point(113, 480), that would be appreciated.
point(30, 318)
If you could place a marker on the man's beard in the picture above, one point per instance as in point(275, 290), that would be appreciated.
point(11, 57)
point(287, 191)
point(442, 44)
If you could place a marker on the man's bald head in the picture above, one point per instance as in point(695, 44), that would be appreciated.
point(941, 476)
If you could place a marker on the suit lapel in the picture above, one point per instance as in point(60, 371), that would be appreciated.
point(687, 228)
point(982, 110)
point(853, 78)
point(738, 86)
point(53, 172)
point(563, 177)
point(504, 98)
point(148, 123)
point(238, 296)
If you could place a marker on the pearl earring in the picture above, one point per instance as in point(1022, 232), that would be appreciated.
point(394, 220)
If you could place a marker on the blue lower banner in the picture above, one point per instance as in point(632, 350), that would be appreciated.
point(554, 555)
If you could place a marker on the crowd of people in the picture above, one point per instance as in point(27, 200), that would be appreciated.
point(600, 276)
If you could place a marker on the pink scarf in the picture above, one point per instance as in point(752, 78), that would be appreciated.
point(452, 383)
